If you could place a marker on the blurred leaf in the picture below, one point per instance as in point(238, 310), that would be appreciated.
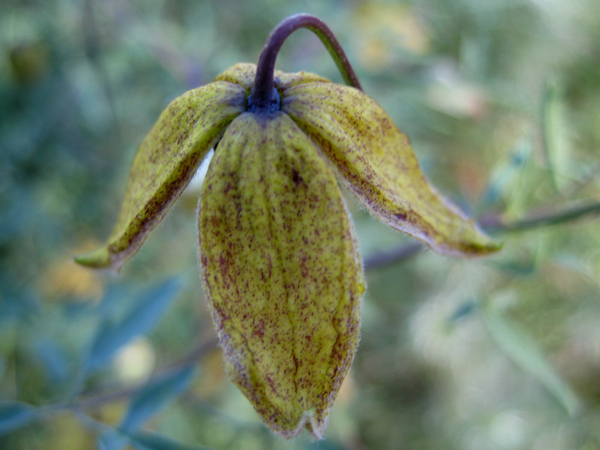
point(140, 319)
point(113, 299)
point(53, 358)
point(505, 172)
point(524, 352)
point(15, 415)
point(323, 445)
point(112, 440)
point(517, 268)
point(15, 304)
point(575, 263)
point(555, 138)
point(464, 310)
point(150, 441)
point(155, 396)
point(519, 265)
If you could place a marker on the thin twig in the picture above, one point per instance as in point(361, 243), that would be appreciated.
point(495, 224)
point(387, 257)
point(492, 224)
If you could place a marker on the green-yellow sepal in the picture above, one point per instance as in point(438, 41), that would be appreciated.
point(376, 162)
point(164, 165)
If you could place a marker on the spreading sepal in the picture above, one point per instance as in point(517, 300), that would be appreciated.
point(377, 163)
point(164, 165)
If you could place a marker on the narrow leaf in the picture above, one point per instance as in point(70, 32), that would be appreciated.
point(524, 351)
point(505, 173)
point(141, 318)
point(323, 445)
point(14, 415)
point(112, 440)
point(555, 136)
point(156, 396)
point(53, 358)
point(151, 441)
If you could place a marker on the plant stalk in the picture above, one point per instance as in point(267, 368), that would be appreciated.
point(262, 97)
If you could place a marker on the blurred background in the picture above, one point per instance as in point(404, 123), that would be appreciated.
point(501, 100)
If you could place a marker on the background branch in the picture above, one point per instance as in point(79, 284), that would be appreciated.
point(493, 224)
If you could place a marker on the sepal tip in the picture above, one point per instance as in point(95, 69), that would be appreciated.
point(101, 258)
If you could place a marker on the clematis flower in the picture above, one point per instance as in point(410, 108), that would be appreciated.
point(278, 252)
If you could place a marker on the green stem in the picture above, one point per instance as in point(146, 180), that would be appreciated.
point(264, 97)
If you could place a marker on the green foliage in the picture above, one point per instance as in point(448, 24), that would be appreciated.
point(141, 316)
point(524, 351)
point(15, 415)
point(501, 101)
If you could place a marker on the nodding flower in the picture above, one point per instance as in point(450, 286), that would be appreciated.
point(278, 253)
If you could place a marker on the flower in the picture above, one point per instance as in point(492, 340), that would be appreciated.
point(278, 253)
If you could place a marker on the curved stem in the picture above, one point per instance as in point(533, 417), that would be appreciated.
point(262, 91)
